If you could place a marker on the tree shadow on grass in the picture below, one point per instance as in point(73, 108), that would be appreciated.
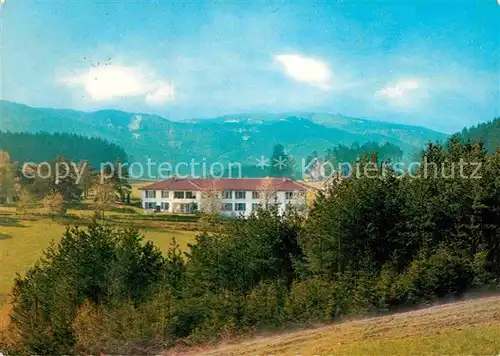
point(4, 236)
point(11, 222)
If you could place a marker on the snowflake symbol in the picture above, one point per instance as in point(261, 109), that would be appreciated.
point(280, 163)
point(262, 162)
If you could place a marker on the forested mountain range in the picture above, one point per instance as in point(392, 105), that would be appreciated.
point(488, 132)
point(235, 138)
point(44, 147)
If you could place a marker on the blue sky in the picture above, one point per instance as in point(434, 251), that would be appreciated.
point(429, 63)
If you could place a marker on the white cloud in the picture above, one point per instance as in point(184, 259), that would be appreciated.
point(112, 82)
point(163, 93)
point(399, 89)
point(305, 69)
point(404, 92)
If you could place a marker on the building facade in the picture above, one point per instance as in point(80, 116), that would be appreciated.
point(230, 197)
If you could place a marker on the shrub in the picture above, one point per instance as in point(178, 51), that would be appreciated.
point(385, 295)
point(357, 292)
point(125, 329)
point(209, 317)
point(54, 204)
point(481, 268)
point(265, 304)
point(441, 274)
point(311, 300)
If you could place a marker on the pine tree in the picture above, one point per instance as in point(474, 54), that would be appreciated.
point(281, 164)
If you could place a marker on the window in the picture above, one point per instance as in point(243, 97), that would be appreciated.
point(227, 207)
point(256, 206)
point(164, 194)
point(240, 195)
point(165, 206)
point(240, 207)
point(227, 194)
point(178, 195)
point(150, 194)
point(289, 195)
point(255, 195)
point(150, 205)
point(190, 195)
point(188, 207)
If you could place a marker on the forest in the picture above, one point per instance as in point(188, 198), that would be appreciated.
point(489, 132)
point(43, 147)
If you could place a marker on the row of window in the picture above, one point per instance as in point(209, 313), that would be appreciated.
point(182, 195)
point(255, 195)
point(152, 205)
point(192, 207)
point(243, 206)
point(183, 208)
point(165, 194)
point(238, 206)
point(228, 194)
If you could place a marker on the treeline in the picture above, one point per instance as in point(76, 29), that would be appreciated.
point(488, 132)
point(43, 146)
point(57, 170)
point(368, 244)
point(60, 183)
point(386, 152)
point(281, 164)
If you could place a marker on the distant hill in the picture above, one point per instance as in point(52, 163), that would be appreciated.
point(234, 138)
point(489, 132)
point(42, 147)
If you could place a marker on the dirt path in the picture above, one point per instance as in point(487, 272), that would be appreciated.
point(441, 322)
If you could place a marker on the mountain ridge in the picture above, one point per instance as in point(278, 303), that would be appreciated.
point(488, 132)
point(236, 137)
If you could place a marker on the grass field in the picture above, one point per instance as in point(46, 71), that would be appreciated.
point(464, 328)
point(23, 238)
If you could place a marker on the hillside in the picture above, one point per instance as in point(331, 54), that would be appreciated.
point(469, 327)
point(241, 138)
point(42, 147)
point(489, 132)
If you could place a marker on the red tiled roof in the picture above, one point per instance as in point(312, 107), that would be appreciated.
point(271, 184)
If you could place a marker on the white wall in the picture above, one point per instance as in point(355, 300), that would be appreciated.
point(171, 200)
point(280, 200)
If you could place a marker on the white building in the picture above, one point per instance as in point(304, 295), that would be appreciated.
point(231, 197)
